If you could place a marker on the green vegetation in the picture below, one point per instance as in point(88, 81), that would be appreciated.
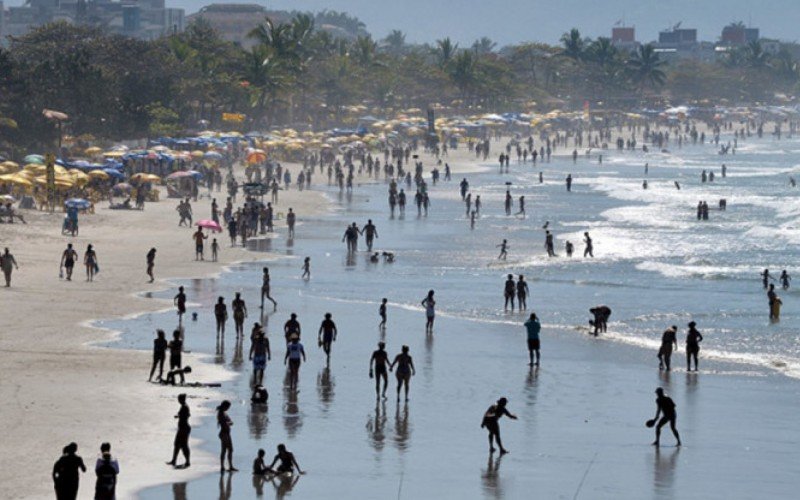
point(115, 88)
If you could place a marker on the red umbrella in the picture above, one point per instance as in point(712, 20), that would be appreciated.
point(209, 224)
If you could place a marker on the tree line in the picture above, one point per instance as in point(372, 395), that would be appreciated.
point(115, 87)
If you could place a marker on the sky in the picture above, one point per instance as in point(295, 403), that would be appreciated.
point(512, 21)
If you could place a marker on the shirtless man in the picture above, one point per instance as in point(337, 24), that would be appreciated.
point(291, 218)
point(180, 302)
point(503, 250)
point(509, 292)
point(666, 408)
point(371, 233)
point(239, 309)
point(326, 336)
point(378, 368)
point(198, 243)
point(68, 259)
point(259, 353)
point(288, 463)
point(490, 423)
point(151, 262)
point(265, 289)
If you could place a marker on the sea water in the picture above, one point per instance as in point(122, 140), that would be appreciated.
point(655, 265)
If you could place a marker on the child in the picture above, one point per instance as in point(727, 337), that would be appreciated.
point(259, 467)
point(382, 313)
point(214, 249)
point(570, 249)
point(307, 268)
point(503, 250)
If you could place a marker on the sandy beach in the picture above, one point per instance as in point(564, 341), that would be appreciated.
point(59, 386)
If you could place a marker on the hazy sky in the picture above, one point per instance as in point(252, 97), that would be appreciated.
point(506, 21)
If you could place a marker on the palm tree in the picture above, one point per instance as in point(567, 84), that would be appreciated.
point(645, 68)
point(754, 55)
point(364, 51)
point(266, 78)
point(463, 72)
point(602, 52)
point(483, 45)
point(445, 50)
point(395, 42)
point(574, 45)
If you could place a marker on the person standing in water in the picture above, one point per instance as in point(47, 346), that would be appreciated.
point(491, 423)
point(785, 278)
point(589, 249)
point(533, 327)
point(239, 309)
point(326, 336)
point(569, 248)
point(291, 218)
point(693, 339)
point(181, 444)
point(549, 245)
point(225, 423)
point(405, 370)
point(159, 355)
point(221, 315)
point(430, 311)
point(509, 202)
point(382, 314)
point(151, 263)
point(522, 293)
point(66, 477)
point(294, 354)
point(666, 408)
point(259, 353)
point(306, 269)
point(509, 290)
point(503, 250)
point(371, 233)
point(265, 289)
point(668, 339)
point(765, 277)
point(378, 368)
point(180, 303)
point(521, 207)
point(569, 183)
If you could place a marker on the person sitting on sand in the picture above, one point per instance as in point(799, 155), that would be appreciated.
point(288, 463)
point(259, 467)
point(260, 395)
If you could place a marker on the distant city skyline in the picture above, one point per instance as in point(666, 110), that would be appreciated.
point(513, 21)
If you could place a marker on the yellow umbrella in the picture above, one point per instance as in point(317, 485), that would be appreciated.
point(16, 180)
point(197, 154)
point(98, 174)
point(114, 154)
point(78, 176)
point(94, 150)
point(11, 164)
point(59, 170)
point(144, 177)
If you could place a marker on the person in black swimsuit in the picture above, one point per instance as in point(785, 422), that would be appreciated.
point(175, 349)
point(68, 259)
point(221, 315)
point(239, 313)
point(159, 354)
point(693, 339)
point(181, 444)
point(490, 423)
point(180, 303)
point(509, 291)
point(668, 340)
point(287, 462)
point(405, 369)
point(666, 408)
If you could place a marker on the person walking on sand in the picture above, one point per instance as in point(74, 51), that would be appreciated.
point(66, 478)
point(180, 303)
point(90, 261)
point(522, 293)
point(430, 311)
point(291, 218)
point(405, 370)
point(106, 469)
point(214, 250)
point(508, 292)
point(666, 408)
point(151, 263)
point(68, 258)
point(224, 423)
point(265, 290)
point(181, 444)
point(371, 233)
point(221, 315)
point(8, 263)
point(378, 369)
point(693, 339)
point(198, 243)
point(259, 353)
point(503, 250)
point(326, 336)
point(306, 269)
point(668, 340)
point(159, 355)
point(239, 309)
point(491, 423)
point(382, 314)
point(533, 327)
point(294, 354)
point(175, 347)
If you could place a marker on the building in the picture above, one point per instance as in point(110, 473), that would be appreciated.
point(624, 38)
point(144, 19)
point(678, 37)
point(234, 21)
point(738, 34)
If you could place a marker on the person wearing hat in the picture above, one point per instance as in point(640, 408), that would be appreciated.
point(668, 339)
point(490, 423)
point(380, 363)
point(693, 339)
point(666, 408)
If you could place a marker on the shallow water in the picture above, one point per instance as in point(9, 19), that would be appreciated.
point(580, 415)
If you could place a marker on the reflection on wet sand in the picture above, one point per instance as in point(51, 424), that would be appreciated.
point(427, 366)
point(376, 424)
point(219, 352)
point(292, 420)
point(531, 386)
point(238, 358)
point(258, 420)
point(225, 486)
point(664, 465)
point(402, 428)
point(325, 387)
point(492, 485)
point(179, 491)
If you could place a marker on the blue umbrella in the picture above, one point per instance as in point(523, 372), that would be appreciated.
point(79, 203)
point(36, 159)
point(212, 154)
point(197, 175)
point(114, 173)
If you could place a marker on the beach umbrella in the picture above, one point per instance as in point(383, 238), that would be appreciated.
point(209, 224)
point(160, 148)
point(122, 187)
point(178, 175)
point(256, 156)
point(143, 177)
point(7, 198)
point(112, 172)
point(79, 203)
point(114, 154)
point(94, 150)
point(11, 164)
point(98, 174)
point(35, 159)
point(197, 153)
point(78, 176)
point(212, 155)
